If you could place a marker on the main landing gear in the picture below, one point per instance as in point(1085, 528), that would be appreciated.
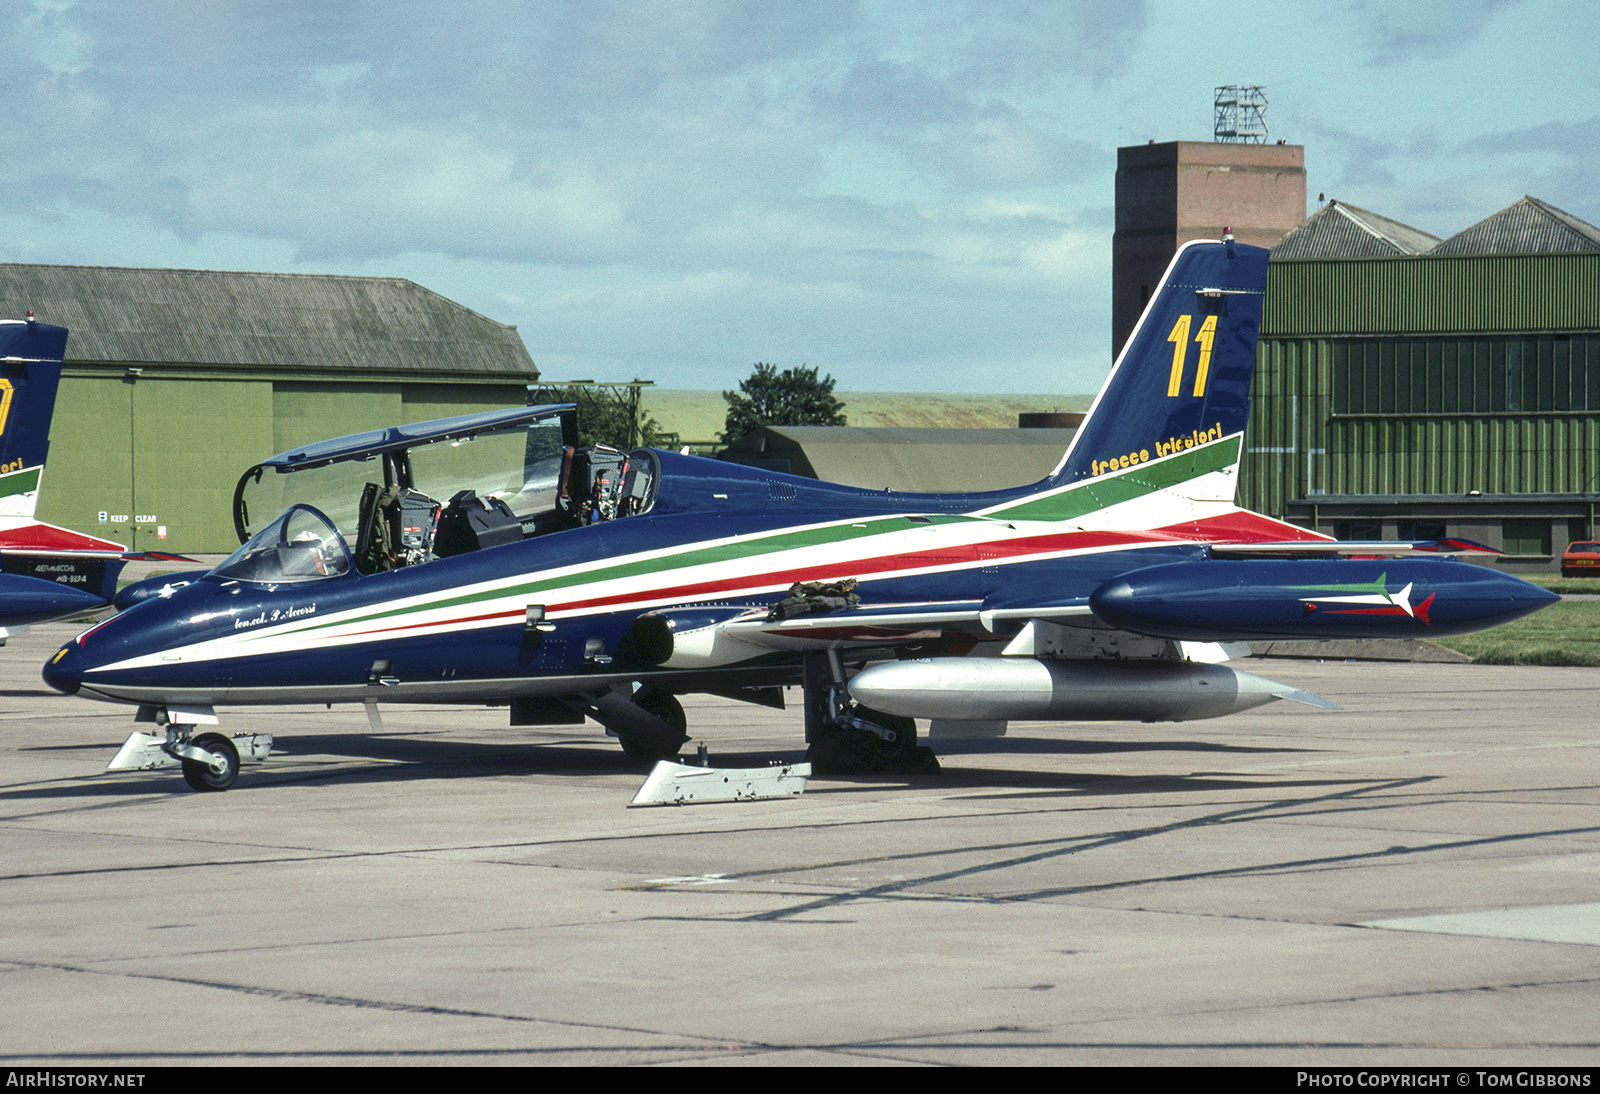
point(664, 705)
point(649, 723)
point(849, 739)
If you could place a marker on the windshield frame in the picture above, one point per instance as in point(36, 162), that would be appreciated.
point(291, 550)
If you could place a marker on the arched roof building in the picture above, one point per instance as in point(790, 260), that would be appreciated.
point(178, 380)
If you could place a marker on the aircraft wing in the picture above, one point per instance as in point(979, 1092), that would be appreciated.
point(889, 624)
point(877, 625)
point(37, 538)
point(1450, 546)
point(65, 553)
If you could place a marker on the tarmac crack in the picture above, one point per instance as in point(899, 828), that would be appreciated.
point(290, 995)
point(1294, 865)
point(910, 1053)
point(910, 1049)
point(899, 888)
point(690, 1044)
point(314, 855)
point(1078, 844)
point(1369, 997)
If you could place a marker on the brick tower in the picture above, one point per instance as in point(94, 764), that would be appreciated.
point(1168, 194)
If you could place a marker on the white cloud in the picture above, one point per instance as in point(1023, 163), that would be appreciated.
point(879, 189)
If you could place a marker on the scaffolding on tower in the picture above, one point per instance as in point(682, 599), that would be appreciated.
point(1241, 114)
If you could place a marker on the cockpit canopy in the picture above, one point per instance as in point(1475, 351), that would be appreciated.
point(405, 495)
point(301, 545)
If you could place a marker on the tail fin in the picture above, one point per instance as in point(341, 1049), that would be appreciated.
point(1181, 386)
point(30, 373)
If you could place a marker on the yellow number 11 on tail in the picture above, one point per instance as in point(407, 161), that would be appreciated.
point(1180, 349)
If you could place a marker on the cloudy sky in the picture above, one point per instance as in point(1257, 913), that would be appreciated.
point(909, 196)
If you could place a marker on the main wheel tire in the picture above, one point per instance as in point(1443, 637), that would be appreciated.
point(895, 754)
point(848, 751)
point(664, 705)
point(199, 775)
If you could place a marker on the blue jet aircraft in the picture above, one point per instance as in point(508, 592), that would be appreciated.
point(491, 559)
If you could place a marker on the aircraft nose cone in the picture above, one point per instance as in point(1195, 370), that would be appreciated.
point(64, 671)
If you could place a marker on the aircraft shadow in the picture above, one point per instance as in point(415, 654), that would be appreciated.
point(399, 758)
point(1030, 782)
point(1041, 746)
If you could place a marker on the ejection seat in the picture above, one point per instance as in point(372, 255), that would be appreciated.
point(471, 523)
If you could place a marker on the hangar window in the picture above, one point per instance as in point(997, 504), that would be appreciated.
point(1357, 529)
point(1420, 529)
point(1525, 537)
point(1536, 373)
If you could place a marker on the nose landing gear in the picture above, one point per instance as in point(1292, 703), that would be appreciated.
point(210, 761)
point(217, 770)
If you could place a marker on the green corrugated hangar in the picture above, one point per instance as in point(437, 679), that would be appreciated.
point(1411, 387)
point(176, 381)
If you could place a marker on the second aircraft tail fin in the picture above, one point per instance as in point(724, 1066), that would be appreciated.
point(30, 374)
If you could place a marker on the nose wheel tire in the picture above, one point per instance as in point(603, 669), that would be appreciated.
point(200, 776)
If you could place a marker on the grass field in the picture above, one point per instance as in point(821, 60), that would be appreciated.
point(1566, 585)
point(1562, 634)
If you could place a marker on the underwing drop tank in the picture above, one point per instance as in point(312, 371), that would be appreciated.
point(1027, 689)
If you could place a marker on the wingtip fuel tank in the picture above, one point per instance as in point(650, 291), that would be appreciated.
point(1221, 600)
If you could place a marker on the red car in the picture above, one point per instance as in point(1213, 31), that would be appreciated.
point(1581, 560)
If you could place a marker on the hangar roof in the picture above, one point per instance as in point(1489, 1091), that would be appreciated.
point(1338, 230)
point(1524, 227)
point(698, 416)
point(910, 460)
point(218, 318)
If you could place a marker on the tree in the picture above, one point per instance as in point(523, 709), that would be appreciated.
point(609, 414)
point(794, 396)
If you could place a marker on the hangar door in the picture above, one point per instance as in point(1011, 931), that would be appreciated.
point(150, 454)
point(153, 453)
